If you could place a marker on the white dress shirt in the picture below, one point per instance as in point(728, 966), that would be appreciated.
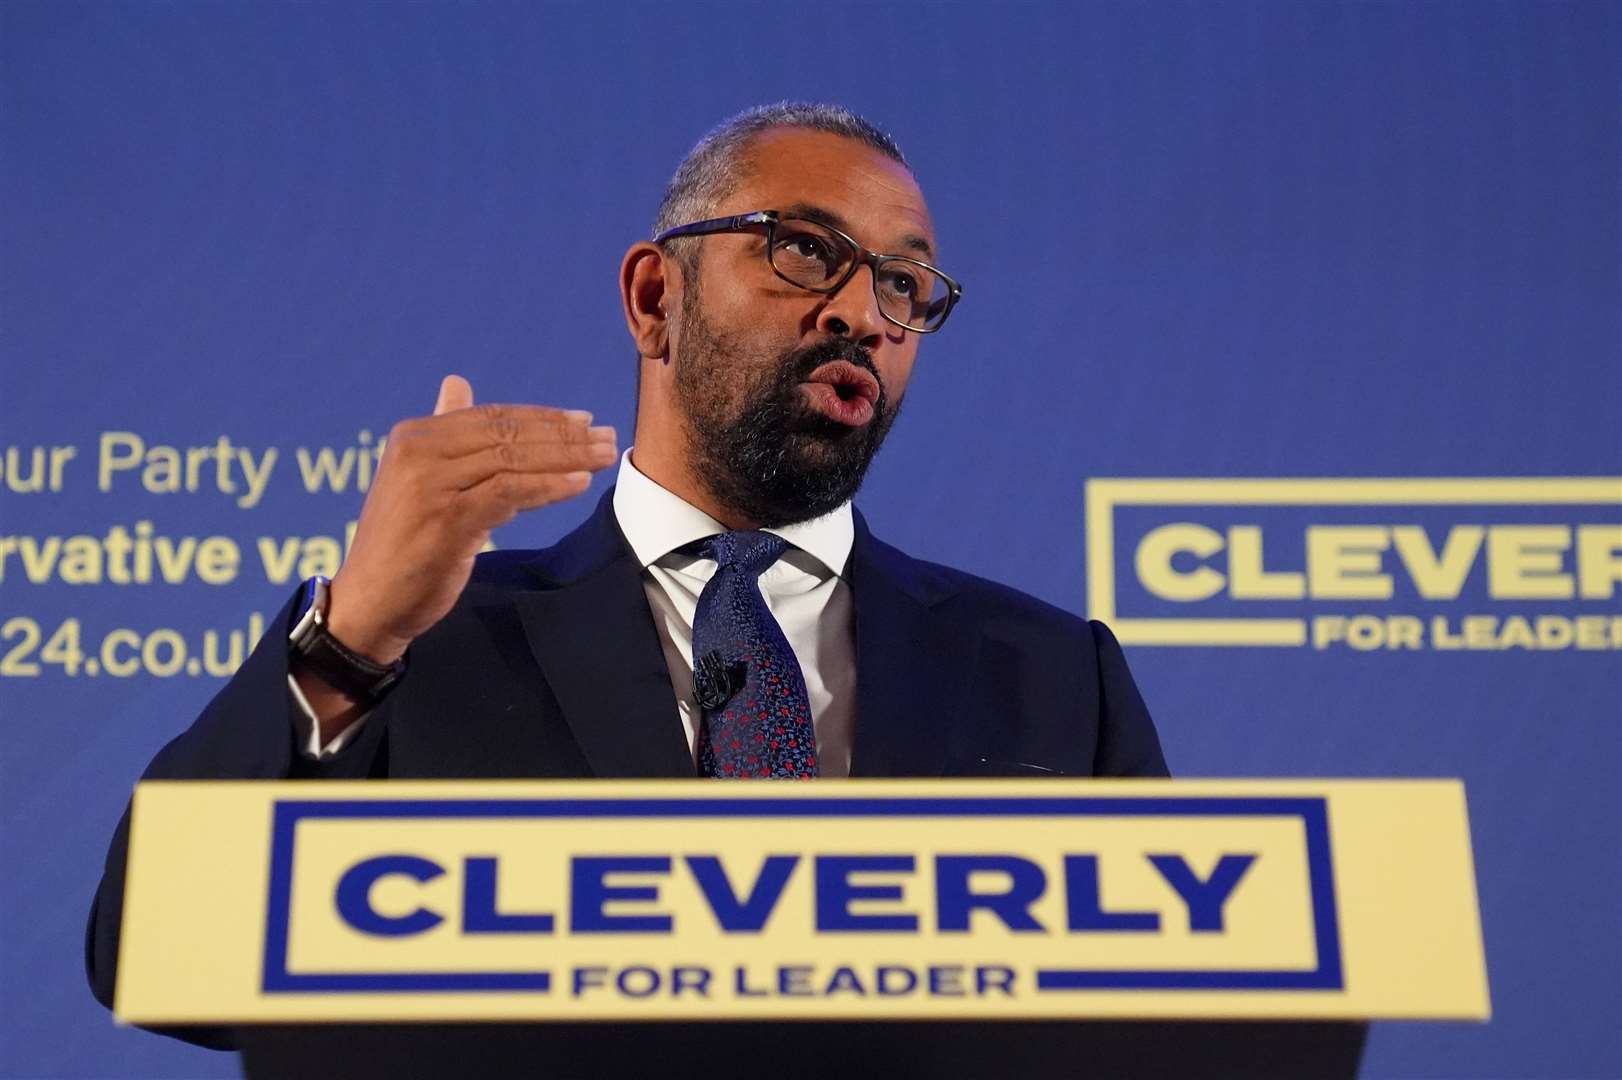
point(806, 591)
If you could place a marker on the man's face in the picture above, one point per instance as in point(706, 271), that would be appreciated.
point(767, 375)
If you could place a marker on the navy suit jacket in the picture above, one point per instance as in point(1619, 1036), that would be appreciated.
point(549, 666)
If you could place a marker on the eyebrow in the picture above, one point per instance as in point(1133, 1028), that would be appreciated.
point(812, 212)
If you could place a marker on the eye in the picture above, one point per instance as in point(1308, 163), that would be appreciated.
point(807, 256)
point(901, 283)
point(808, 247)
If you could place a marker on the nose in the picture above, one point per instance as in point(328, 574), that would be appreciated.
point(853, 311)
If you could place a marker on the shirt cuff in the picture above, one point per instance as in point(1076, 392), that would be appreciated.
point(308, 727)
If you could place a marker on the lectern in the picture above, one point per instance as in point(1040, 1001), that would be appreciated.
point(854, 928)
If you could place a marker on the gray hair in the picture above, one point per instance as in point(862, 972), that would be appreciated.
point(714, 168)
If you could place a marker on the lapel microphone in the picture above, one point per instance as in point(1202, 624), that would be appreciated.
point(715, 681)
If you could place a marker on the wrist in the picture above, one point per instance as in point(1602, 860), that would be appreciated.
point(346, 622)
point(316, 650)
point(357, 636)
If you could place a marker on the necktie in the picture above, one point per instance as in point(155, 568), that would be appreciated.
point(757, 717)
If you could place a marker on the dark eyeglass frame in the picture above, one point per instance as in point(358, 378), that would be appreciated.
point(769, 219)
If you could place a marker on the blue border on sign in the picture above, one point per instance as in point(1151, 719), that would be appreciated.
point(1312, 812)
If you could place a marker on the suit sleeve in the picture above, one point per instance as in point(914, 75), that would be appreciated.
point(246, 733)
point(1127, 742)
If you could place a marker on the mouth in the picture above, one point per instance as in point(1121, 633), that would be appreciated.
point(844, 392)
point(849, 382)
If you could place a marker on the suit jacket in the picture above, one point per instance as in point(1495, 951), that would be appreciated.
point(550, 666)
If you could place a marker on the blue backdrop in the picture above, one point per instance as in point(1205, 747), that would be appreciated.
point(1198, 240)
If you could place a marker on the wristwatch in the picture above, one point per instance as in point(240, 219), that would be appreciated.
point(327, 657)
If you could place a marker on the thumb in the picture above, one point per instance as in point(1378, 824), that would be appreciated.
point(455, 392)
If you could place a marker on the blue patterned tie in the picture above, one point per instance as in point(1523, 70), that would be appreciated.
point(757, 717)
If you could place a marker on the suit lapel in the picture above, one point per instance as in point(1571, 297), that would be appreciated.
point(590, 630)
point(913, 668)
point(594, 638)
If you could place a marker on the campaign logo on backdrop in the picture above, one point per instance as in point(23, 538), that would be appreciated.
point(1362, 564)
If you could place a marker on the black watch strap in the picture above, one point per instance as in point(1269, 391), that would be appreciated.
point(328, 658)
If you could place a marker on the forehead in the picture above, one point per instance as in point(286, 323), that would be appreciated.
point(852, 182)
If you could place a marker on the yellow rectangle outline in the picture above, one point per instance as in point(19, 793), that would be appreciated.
point(1104, 495)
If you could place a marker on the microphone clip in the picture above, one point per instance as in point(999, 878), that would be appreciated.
point(715, 681)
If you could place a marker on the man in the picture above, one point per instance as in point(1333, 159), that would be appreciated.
point(725, 611)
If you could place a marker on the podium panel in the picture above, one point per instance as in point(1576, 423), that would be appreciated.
point(1009, 900)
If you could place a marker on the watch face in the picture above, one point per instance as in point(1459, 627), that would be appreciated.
point(312, 608)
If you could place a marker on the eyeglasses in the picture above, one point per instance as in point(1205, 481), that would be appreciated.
point(818, 257)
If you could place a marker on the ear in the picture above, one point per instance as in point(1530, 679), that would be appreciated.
point(648, 296)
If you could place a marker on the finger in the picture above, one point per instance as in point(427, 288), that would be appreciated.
point(455, 393)
point(500, 498)
point(467, 430)
point(492, 412)
point(470, 470)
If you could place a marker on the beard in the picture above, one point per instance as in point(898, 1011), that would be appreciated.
point(753, 437)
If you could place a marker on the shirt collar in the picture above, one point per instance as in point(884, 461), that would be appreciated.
point(657, 522)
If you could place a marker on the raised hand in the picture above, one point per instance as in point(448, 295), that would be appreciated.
point(445, 482)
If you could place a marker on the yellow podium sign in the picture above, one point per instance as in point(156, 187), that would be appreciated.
point(305, 901)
